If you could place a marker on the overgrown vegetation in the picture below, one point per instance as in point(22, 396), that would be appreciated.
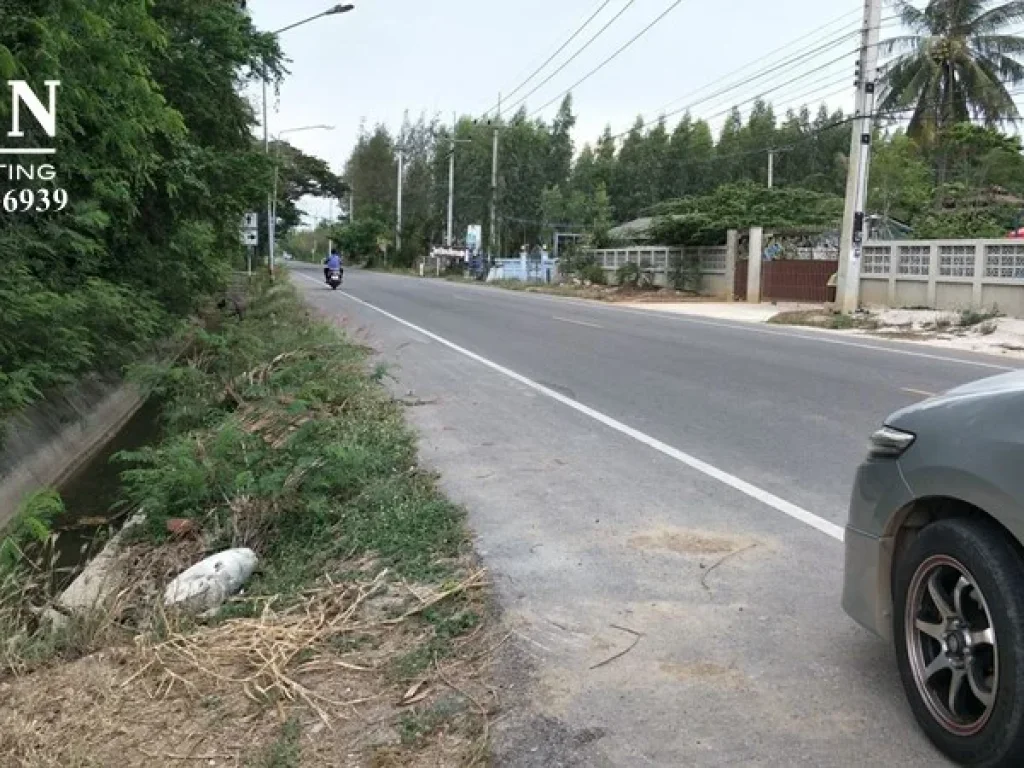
point(277, 438)
point(155, 150)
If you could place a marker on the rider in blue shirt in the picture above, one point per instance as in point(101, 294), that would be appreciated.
point(333, 262)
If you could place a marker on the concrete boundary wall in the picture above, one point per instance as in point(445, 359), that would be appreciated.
point(44, 445)
point(716, 263)
point(944, 274)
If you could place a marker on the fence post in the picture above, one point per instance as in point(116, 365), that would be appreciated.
point(980, 263)
point(754, 263)
point(732, 247)
point(933, 273)
point(894, 271)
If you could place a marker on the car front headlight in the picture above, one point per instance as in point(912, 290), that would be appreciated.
point(890, 443)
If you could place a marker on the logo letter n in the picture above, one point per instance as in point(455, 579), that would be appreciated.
point(21, 93)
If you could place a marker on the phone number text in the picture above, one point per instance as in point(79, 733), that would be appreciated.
point(34, 200)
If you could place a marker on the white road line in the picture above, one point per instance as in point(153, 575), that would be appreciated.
point(575, 322)
point(759, 494)
point(917, 391)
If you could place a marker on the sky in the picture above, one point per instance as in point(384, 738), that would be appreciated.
point(389, 57)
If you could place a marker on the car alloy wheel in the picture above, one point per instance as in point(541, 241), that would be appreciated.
point(951, 644)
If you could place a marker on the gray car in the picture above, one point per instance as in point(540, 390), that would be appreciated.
point(934, 564)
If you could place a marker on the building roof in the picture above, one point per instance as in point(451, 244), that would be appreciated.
point(638, 229)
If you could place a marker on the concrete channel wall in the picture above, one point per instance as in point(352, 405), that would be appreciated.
point(50, 440)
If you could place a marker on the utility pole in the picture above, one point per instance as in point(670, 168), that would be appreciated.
point(450, 236)
point(494, 185)
point(398, 221)
point(451, 196)
point(852, 241)
point(771, 168)
point(270, 197)
point(451, 185)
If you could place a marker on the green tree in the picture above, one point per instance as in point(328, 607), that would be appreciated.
point(900, 181)
point(561, 146)
point(157, 156)
point(372, 174)
point(955, 63)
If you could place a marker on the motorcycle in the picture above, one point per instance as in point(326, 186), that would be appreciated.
point(334, 278)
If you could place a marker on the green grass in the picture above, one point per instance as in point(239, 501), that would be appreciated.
point(414, 725)
point(281, 439)
point(285, 751)
point(816, 319)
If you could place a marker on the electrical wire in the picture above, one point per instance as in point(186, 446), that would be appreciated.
point(572, 58)
point(553, 56)
point(855, 28)
point(777, 69)
point(611, 58)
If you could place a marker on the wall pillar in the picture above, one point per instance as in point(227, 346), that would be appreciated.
point(732, 248)
point(755, 260)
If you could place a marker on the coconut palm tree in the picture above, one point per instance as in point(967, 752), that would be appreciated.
point(956, 65)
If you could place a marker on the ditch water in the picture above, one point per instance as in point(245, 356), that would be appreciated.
point(91, 496)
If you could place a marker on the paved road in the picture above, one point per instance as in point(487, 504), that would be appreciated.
point(609, 460)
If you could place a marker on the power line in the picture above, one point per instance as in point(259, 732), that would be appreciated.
point(572, 58)
point(611, 58)
point(552, 57)
point(786, 64)
point(767, 56)
point(810, 70)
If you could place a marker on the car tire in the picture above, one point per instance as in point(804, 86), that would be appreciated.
point(985, 727)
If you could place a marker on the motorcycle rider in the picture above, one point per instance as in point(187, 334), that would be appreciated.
point(332, 262)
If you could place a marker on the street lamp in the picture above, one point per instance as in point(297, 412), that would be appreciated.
point(272, 209)
point(336, 9)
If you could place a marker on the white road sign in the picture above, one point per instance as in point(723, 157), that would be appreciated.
point(251, 229)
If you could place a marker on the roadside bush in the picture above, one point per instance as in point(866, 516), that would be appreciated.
point(972, 317)
point(593, 273)
point(628, 275)
point(684, 272)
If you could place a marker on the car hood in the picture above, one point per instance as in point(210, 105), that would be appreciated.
point(1007, 385)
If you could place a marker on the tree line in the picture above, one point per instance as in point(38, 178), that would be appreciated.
point(966, 179)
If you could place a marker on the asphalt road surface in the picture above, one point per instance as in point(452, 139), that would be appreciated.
point(669, 487)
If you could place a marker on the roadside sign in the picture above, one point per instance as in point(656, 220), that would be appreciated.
point(251, 229)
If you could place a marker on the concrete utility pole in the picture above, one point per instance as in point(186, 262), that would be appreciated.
point(852, 241)
point(451, 196)
point(771, 168)
point(494, 185)
point(450, 236)
point(398, 220)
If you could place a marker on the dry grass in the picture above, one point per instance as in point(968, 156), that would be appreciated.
point(325, 666)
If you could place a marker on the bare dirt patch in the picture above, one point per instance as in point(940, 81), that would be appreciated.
point(700, 671)
point(689, 542)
